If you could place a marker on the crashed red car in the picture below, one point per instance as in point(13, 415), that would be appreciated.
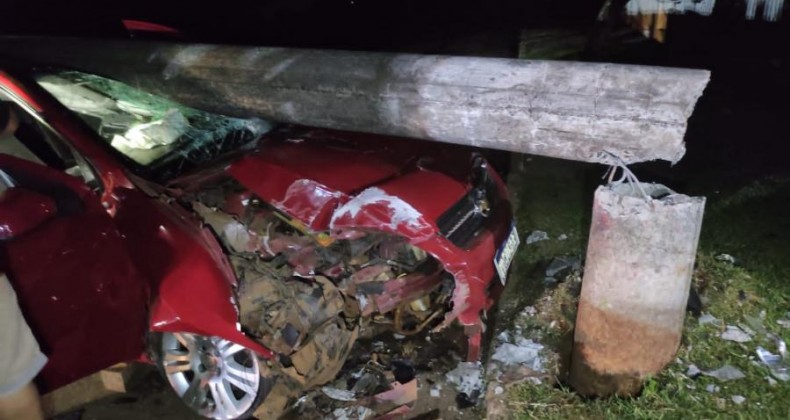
point(229, 251)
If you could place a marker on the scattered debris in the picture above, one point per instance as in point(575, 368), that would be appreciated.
point(735, 334)
point(352, 413)
point(738, 399)
point(693, 371)
point(725, 258)
point(755, 323)
point(338, 394)
point(783, 322)
point(534, 381)
point(499, 390)
point(400, 394)
point(712, 388)
point(536, 236)
point(771, 381)
point(776, 362)
point(524, 352)
point(403, 370)
point(705, 319)
point(561, 266)
point(465, 401)
point(725, 373)
point(436, 391)
point(562, 237)
point(467, 377)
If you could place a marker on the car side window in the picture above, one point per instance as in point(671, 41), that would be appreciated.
point(34, 141)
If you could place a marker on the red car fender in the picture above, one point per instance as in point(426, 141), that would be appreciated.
point(191, 279)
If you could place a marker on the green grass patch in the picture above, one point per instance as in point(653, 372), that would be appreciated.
point(747, 221)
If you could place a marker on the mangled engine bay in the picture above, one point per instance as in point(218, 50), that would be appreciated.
point(307, 295)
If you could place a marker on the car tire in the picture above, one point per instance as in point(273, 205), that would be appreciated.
point(214, 377)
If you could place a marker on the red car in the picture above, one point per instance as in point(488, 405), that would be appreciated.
point(231, 251)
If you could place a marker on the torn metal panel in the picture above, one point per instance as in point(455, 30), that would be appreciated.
point(568, 110)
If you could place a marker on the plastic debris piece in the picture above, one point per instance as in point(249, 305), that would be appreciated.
point(733, 333)
point(738, 399)
point(712, 388)
point(536, 236)
point(467, 377)
point(562, 237)
point(338, 394)
point(436, 391)
point(693, 371)
point(776, 362)
point(705, 319)
point(499, 390)
point(725, 373)
point(400, 394)
point(525, 352)
point(725, 258)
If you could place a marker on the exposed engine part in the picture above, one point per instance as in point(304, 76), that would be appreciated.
point(304, 294)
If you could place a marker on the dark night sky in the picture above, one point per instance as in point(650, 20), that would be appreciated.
point(358, 24)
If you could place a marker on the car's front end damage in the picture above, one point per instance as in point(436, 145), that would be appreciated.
point(405, 242)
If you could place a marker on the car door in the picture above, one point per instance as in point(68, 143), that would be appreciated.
point(75, 283)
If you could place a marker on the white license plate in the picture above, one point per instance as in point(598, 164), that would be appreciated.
point(504, 256)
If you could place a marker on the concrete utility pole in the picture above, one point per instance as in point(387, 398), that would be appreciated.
point(568, 110)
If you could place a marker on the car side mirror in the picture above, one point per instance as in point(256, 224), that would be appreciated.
point(22, 210)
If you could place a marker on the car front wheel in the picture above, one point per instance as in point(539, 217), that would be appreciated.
point(215, 377)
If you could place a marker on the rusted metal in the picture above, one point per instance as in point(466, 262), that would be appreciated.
point(638, 271)
point(568, 110)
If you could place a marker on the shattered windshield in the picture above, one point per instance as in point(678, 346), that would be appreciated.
point(151, 131)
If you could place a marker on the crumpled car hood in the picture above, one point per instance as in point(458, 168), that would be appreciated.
point(343, 164)
point(309, 173)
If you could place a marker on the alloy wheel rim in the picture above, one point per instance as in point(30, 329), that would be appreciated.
point(215, 377)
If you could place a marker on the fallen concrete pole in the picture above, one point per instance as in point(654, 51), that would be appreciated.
point(569, 110)
point(637, 275)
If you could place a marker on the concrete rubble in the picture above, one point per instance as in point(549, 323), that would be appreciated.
point(536, 236)
point(736, 334)
point(725, 373)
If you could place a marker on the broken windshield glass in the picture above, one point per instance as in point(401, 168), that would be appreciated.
point(150, 130)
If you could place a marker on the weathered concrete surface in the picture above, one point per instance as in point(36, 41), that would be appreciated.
point(567, 110)
point(640, 259)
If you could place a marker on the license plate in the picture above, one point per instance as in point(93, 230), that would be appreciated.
point(504, 256)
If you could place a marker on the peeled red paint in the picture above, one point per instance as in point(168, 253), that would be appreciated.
point(380, 209)
point(308, 201)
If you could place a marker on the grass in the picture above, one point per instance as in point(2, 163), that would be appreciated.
point(747, 220)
